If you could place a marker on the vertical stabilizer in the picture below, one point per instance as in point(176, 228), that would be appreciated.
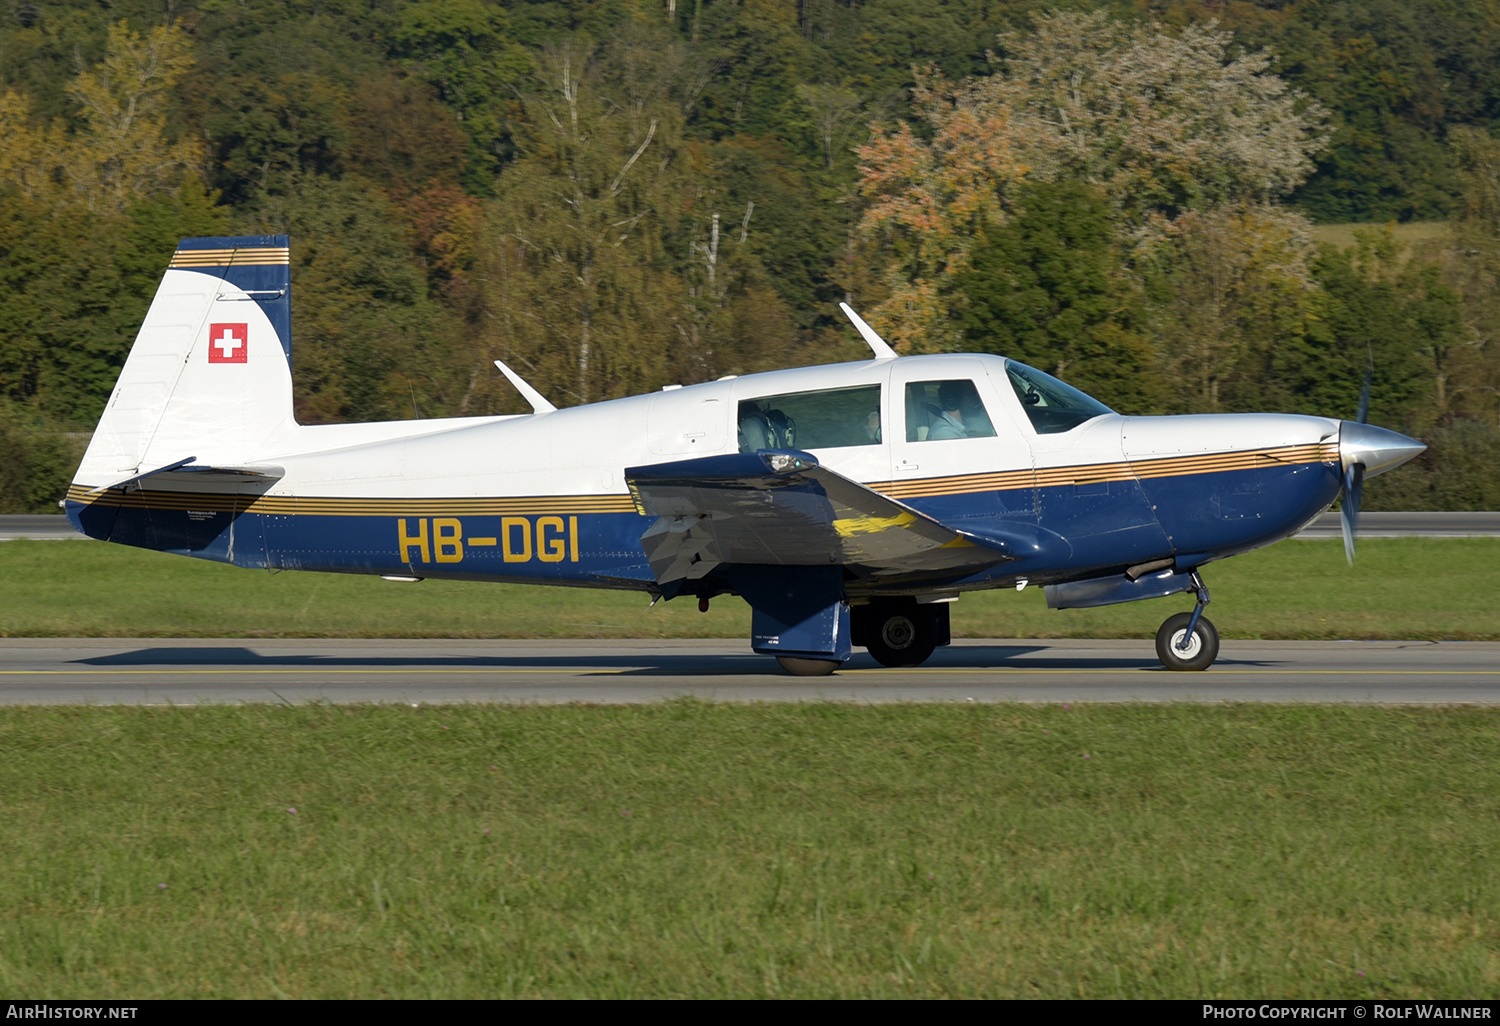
point(210, 373)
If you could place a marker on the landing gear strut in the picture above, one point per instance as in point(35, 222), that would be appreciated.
point(1188, 641)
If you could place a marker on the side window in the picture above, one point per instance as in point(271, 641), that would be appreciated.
point(825, 419)
point(936, 410)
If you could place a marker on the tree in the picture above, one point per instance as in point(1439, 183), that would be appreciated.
point(80, 212)
point(581, 286)
point(466, 50)
point(368, 342)
point(1233, 298)
point(1161, 122)
point(1047, 288)
point(932, 197)
point(121, 152)
point(1476, 274)
point(836, 116)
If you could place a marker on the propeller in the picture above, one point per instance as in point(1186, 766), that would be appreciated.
point(1354, 472)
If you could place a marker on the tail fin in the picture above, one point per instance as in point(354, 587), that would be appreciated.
point(210, 374)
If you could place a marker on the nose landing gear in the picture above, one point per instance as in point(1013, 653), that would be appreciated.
point(1188, 641)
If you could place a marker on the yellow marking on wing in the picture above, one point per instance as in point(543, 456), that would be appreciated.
point(482, 542)
point(849, 527)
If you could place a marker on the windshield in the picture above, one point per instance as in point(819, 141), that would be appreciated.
point(1052, 406)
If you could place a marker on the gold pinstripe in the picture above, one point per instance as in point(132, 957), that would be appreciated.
point(300, 505)
point(1166, 466)
point(258, 256)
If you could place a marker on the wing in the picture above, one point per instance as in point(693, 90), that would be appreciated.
point(780, 508)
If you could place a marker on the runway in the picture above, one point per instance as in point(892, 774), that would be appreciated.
point(196, 671)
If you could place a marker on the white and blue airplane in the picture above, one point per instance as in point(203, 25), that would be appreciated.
point(848, 504)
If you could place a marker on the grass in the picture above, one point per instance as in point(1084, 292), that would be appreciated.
point(1411, 236)
point(1398, 588)
point(696, 850)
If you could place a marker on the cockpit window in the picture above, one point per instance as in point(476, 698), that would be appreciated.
point(1052, 406)
point(825, 419)
point(937, 410)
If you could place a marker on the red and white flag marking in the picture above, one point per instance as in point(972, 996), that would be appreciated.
point(228, 343)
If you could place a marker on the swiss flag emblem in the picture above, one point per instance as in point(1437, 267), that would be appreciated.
point(228, 343)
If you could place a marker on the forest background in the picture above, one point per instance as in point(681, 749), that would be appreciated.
point(613, 195)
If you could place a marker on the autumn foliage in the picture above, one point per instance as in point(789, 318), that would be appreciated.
point(612, 196)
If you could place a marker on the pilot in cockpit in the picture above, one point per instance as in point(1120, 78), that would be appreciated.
point(949, 421)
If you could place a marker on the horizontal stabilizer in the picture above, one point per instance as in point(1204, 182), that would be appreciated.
point(781, 508)
point(189, 470)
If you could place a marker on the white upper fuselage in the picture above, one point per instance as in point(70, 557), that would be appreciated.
point(583, 450)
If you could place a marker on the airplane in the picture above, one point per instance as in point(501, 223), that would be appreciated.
point(849, 504)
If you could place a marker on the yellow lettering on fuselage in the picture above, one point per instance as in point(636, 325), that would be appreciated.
point(521, 539)
point(549, 549)
point(447, 539)
point(510, 527)
point(407, 542)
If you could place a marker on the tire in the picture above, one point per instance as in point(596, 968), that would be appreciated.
point(797, 666)
point(1202, 650)
point(900, 634)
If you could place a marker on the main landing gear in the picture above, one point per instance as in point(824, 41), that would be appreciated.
point(1188, 641)
point(900, 632)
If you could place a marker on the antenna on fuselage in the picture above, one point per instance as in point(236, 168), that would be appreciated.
point(882, 350)
point(531, 395)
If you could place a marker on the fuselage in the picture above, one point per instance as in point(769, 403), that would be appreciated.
point(543, 498)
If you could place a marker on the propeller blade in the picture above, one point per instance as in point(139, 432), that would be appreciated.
point(1354, 486)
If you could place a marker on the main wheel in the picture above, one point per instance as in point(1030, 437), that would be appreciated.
point(798, 666)
point(900, 635)
point(1202, 648)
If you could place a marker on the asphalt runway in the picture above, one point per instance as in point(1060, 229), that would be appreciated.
point(195, 671)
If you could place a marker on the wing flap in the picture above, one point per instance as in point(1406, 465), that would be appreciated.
point(781, 508)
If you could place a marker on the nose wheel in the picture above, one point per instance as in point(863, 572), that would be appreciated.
point(1188, 641)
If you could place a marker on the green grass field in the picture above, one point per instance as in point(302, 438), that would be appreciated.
point(1398, 588)
point(689, 849)
point(696, 850)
